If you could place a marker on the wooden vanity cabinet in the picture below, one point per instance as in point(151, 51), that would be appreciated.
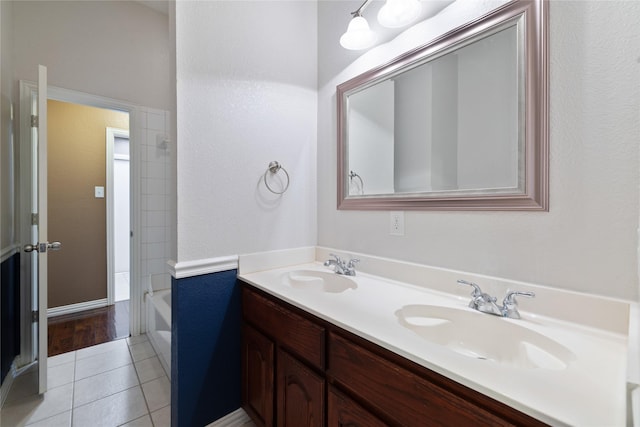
point(283, 358)
point(344, 412)
point(299, 371)
point(257, 375)
point(300, 394)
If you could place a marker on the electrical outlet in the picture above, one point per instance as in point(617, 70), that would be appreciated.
point(396, 224)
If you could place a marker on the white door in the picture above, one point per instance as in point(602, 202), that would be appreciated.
point(39, 237)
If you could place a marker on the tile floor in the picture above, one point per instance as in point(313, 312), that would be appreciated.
point(119, 383)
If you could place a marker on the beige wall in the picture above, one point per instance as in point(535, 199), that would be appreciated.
point(77, 163)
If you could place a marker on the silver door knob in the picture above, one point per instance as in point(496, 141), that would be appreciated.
point(43, 247)
point(54, 246)
point(30, 248)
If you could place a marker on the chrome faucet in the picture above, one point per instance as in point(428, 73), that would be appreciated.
point(485, 303)
point(341, 266)
point(510, 305)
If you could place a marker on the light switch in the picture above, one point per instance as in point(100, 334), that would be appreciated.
point(99, 192)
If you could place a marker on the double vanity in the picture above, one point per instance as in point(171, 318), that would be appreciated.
point(398, 344)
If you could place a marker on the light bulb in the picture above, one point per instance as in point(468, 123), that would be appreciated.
point(398, 13)
point(359, 35)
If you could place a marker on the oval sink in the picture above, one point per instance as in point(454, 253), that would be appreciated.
point(485, 337)
point(318, 281)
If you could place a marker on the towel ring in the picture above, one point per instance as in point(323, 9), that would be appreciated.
point(274, 168)
point(352, 175)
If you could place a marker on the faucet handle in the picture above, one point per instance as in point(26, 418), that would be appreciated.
point(476, 289)
point(510, 305)
point(352, 262)
point(510, 298)
point(337, 258)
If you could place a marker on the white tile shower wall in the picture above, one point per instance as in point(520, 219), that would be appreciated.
point(155, 218)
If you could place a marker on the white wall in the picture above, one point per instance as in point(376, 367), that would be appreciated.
point(117, 49)
point(588, 240)
point(371, 126)
point(121, 221)
point(412, 171)
point(445, 123)
point(487, 94)
point(246, 84)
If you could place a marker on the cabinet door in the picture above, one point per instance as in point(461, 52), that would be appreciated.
point(257, 376)
point(344, 412)
point(300, 394)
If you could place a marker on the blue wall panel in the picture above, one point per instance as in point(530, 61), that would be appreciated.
point(205, 348)
point(10, 311)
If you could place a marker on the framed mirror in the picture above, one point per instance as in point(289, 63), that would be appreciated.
point(458, 124)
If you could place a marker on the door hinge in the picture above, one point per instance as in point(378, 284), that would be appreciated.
point(35, 219)
point(35, 314)
point(34, 121)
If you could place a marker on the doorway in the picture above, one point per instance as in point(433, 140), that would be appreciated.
point(150, 213)
point(89, 211)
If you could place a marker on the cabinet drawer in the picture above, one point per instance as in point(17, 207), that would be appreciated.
point(344, 412)
point(405, 398)
point(290, 330)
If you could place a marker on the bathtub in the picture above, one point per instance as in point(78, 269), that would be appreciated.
point(159, 326)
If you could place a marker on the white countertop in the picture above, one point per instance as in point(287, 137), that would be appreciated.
point(590, 391)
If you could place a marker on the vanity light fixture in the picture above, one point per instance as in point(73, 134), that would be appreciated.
point(394, 14)
point(358, 36)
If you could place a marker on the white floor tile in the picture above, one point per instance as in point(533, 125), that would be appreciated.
point(140, 422)
point(36, 408)
point(60, 420)
point(60, 374)
point(102, 385)
point(162, 417)
point(149, 369)
point(143, 350)
point(100, 349)
point(137, 339)
point(103, 362)
point(157, 393)
point(113, 410)
point(61, 359)
point(23, 386)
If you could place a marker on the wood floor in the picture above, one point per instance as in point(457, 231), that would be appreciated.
point(78, 330)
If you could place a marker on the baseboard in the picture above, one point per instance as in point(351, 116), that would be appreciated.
point(237, 418)
point(74, 308)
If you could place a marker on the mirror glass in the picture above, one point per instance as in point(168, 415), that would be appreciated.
point(444, 128)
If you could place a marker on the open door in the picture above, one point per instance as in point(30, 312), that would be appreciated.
point(40, 245)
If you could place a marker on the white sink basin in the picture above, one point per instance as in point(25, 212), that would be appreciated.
point(485, 337)
point(318, 281)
